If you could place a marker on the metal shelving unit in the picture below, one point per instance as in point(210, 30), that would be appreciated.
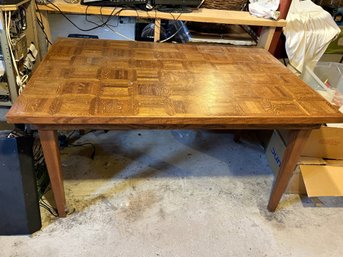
point(9, 73)
point(9, 69)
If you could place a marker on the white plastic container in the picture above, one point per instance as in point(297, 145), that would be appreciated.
point(327, 80)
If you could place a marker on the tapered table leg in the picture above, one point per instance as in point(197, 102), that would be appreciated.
point(52, 157)
point(296, 143)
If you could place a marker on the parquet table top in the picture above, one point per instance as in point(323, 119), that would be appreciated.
point(84, 81)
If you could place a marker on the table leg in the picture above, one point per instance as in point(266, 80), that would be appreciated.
point(52, 157)
point(296, 143)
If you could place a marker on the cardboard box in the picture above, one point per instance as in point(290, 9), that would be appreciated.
point(313, 176)
point(322, 180)
point(326, 142)
point(274, 154)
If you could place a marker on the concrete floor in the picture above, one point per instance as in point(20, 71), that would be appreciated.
point(178, 193)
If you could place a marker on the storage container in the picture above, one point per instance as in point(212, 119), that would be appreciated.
point(326, 79)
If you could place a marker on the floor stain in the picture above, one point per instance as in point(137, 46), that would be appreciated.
point(138, 204)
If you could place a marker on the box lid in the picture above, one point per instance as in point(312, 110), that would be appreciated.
point(323, 180)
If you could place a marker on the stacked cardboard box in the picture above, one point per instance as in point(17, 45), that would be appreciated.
point(320, 169)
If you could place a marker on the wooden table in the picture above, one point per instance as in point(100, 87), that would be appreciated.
point(200, 15)
point(126, 85)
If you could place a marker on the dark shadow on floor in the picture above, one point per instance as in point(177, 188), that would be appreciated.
point(114, 156)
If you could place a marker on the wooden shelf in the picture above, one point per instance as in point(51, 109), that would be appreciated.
point(12, 7)
point(200, 15)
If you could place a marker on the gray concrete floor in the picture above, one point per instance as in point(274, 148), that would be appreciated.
point(178, 193)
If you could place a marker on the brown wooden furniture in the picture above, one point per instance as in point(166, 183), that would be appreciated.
point(200, 15)
point(12, 7)
point(116, 84)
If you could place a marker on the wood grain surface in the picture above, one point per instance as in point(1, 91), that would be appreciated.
point(83, 81)
point(52, 157)
point(12, 7)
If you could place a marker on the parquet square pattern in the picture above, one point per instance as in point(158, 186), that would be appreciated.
point(84, 81)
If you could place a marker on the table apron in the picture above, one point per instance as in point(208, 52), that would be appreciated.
point(174, 126)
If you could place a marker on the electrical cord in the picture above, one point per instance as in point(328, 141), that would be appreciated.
point(53, 211)
point(170, 37)
point(20, 80)
point(108, 25)
point(155, 15)
point(149, 17)
point(40, 23)
point(106, 22)
point(86, 17)
point(102, 19)
point(200, 4)
point(118, 33)
point(48, 207)
point(8, 36)
point(159, 26)
point(75, 25)
point(177, 18)
point(174, 19)
point(177, 31)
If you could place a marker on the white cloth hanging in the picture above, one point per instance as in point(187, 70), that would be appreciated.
point(308, 32)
